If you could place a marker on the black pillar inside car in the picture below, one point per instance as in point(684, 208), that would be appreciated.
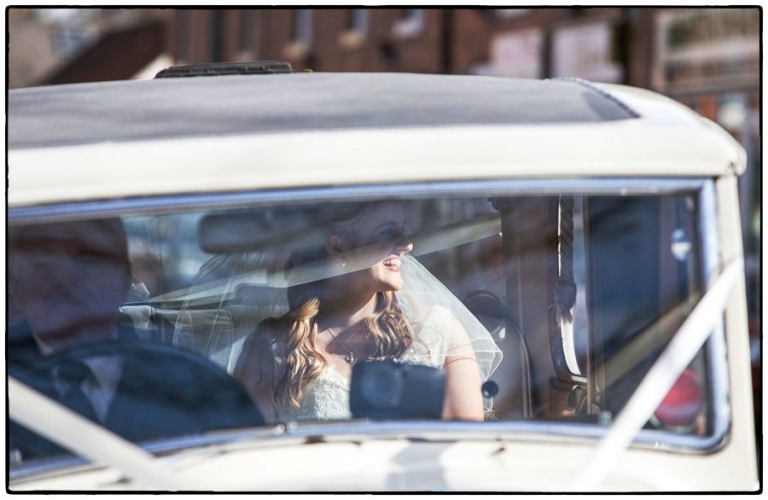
point(529, 250)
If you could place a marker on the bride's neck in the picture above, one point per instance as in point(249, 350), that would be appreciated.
point(346, 310)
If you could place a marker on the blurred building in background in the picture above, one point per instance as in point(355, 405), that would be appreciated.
point(706, 58)
point(55, 46)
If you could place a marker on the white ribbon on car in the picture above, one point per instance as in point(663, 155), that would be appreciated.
point(67, 428)
point(660, 378)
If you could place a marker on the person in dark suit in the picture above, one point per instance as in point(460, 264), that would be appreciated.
point(67, 282)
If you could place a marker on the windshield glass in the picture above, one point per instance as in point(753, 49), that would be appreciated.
point(476, 307)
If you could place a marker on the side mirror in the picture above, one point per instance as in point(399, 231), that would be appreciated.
point(391, 390)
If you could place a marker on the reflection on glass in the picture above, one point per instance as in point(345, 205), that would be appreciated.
point(279, 303)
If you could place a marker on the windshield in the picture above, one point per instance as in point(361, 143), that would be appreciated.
point(482, 306)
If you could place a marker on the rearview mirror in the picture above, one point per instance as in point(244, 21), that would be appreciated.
point(258, 229)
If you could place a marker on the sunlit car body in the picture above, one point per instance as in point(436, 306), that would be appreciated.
point(486, 167)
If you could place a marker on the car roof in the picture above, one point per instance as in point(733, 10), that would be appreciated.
point(228, 133)
point(203, 106)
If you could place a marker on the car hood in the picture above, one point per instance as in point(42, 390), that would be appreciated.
point(349, 463)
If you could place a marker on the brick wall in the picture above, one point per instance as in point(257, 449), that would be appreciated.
point(455, 41)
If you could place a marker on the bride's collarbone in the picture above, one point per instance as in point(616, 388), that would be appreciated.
point(340, 358)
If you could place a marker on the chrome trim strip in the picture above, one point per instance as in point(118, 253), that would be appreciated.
point(597, 186)
point(514, 430)
point(716, 345)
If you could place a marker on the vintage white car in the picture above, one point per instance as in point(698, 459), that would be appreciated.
point(592, 230)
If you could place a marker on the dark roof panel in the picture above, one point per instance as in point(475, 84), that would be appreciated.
point(129, 110)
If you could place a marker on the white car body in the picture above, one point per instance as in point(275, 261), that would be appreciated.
point(666, 141)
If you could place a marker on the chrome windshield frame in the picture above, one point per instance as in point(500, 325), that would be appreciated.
point(716, 345)
point(490, 187)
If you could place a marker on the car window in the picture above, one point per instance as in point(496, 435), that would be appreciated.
point(563, 299)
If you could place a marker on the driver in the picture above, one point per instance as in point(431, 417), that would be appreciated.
point(67, 283)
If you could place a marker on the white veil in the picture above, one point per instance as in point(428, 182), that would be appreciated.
point(421, 295)
point(219, 331)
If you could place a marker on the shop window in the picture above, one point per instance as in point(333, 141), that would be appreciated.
point(358, 20)
point(183, 35)
point(510, 13)
point(356, 30)
point(302, 26)
point(249, 32)
point(216, 48)
point(411, 24)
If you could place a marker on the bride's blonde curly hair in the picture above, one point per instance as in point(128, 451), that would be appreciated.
point(388, 332)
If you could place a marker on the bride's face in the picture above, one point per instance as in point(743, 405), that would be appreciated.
point(378, 246)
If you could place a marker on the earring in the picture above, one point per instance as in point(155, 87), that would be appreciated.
point(343, 263)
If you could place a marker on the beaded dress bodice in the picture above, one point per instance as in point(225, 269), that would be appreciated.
point(327, 398)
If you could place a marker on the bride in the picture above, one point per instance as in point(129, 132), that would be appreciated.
point(371, 302)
